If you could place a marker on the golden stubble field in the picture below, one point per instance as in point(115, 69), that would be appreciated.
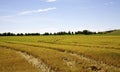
point(66, 53)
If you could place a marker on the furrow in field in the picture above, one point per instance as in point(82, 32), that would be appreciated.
point(96, 65)
point(54, 59)
point(93, 56)
point(10, 61)
point(36, 62)
point(80, 55)
point(100, 66)
point(41, 66)
point(81, 45)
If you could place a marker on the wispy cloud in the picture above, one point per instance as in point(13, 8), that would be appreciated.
point(108, 3)
point(7, 16)
point(50, 0)
point(30, 12)
point(37, 11)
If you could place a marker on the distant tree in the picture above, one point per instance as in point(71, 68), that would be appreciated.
point(46, 33)
point(61, 33)
point(26, 34)
point(7, 34)
point(20, 34)
point(33, 34)
point(69, 33)
point(37, 33)
point(72, 33)
point(50, 34)
point(94, 33)
point(10, 34)
point(86, 32)
point(4, 34)
point(54, 33)
point(79, 32)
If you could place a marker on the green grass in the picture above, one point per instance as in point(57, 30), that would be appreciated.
point(55, 51)
point(116, 32)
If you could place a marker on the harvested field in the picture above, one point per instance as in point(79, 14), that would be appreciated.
point(63, 53)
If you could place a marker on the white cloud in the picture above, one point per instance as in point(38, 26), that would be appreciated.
point(51, 0)
point(37, 11)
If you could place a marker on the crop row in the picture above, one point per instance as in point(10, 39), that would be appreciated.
point(11, 61)
point(57, 59)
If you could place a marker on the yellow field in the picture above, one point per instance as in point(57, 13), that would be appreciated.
point(10, 61)
point(68, 53)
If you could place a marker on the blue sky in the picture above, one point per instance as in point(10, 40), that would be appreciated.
point(58, 15)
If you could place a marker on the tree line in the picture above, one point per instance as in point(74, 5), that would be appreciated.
point(84, 32)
